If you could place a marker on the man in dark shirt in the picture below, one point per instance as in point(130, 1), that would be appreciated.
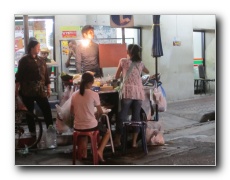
point(88, 53)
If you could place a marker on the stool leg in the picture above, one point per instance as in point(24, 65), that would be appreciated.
point(110, 134)
point(74, 149)
point(125, 128)
point(79, 151)
point(144, 144)
point(93, 139)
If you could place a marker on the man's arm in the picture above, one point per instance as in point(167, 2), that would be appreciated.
point(78, 59)
point(67, 64)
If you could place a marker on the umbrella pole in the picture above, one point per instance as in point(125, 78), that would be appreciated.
point(156, 65)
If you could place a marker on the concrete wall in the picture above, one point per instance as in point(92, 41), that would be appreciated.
point(208, 24)
point(204, 22)
point(65, 20)
point(176, 65)
point(210, 57)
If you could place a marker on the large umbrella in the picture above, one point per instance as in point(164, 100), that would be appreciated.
point(157, 50)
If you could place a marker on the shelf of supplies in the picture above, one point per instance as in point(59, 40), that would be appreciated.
point(72, 63)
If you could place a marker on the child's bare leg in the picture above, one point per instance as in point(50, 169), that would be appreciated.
point(103, 143)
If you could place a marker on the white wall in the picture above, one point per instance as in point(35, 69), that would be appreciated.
point(176, 65)
point(210, 57)
point(208, 24)
point(65, 20)
point(204, 22)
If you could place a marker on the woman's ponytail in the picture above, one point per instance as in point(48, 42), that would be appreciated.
point(85, 79)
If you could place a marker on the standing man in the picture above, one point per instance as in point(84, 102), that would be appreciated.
point(88, 53)
point(72, 51)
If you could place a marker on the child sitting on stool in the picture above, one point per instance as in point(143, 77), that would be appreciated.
point(82, 107)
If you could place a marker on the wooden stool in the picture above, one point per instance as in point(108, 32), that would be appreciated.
point(94, 137)
point(142, 126)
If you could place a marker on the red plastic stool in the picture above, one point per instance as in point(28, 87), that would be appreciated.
point(94, 137)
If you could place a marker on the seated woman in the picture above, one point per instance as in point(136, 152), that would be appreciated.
point(82, 107)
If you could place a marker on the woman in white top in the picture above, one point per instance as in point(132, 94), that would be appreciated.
point(132, 92)
point(82, 106)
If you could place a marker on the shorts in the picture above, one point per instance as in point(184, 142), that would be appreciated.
point(102, 129)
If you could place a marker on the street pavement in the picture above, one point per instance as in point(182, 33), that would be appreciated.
point(188, 142)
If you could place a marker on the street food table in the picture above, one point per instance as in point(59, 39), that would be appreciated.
point(110, 99)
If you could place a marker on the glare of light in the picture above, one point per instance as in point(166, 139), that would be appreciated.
point(85, 42)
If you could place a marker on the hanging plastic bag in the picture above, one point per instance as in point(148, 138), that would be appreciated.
point(61, 127)
point(158, 139)
point(152, 129)
point(65, 95)
point(64, 120)
point(64, 110)
point(159, 98)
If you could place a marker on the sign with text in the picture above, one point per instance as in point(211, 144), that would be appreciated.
point(118, 21)
point(70, 31)
point(69, 34)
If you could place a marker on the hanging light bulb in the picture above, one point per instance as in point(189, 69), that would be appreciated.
point(85, 42)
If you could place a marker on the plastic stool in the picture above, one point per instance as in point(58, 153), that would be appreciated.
point(142, 126)
point(109, 128)
point(94, 137)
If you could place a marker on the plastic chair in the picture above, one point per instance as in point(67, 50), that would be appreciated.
point(142, 126)
point(203, 80)
point(94, 137)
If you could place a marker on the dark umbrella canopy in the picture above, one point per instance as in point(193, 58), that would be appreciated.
point(157, 50)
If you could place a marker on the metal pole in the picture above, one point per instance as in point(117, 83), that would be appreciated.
point(156, 117)
point(26, 31)
point(123, 35)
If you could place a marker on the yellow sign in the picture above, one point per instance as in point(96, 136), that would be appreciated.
point(70, 28)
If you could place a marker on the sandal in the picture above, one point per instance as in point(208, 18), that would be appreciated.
point(100, 157)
